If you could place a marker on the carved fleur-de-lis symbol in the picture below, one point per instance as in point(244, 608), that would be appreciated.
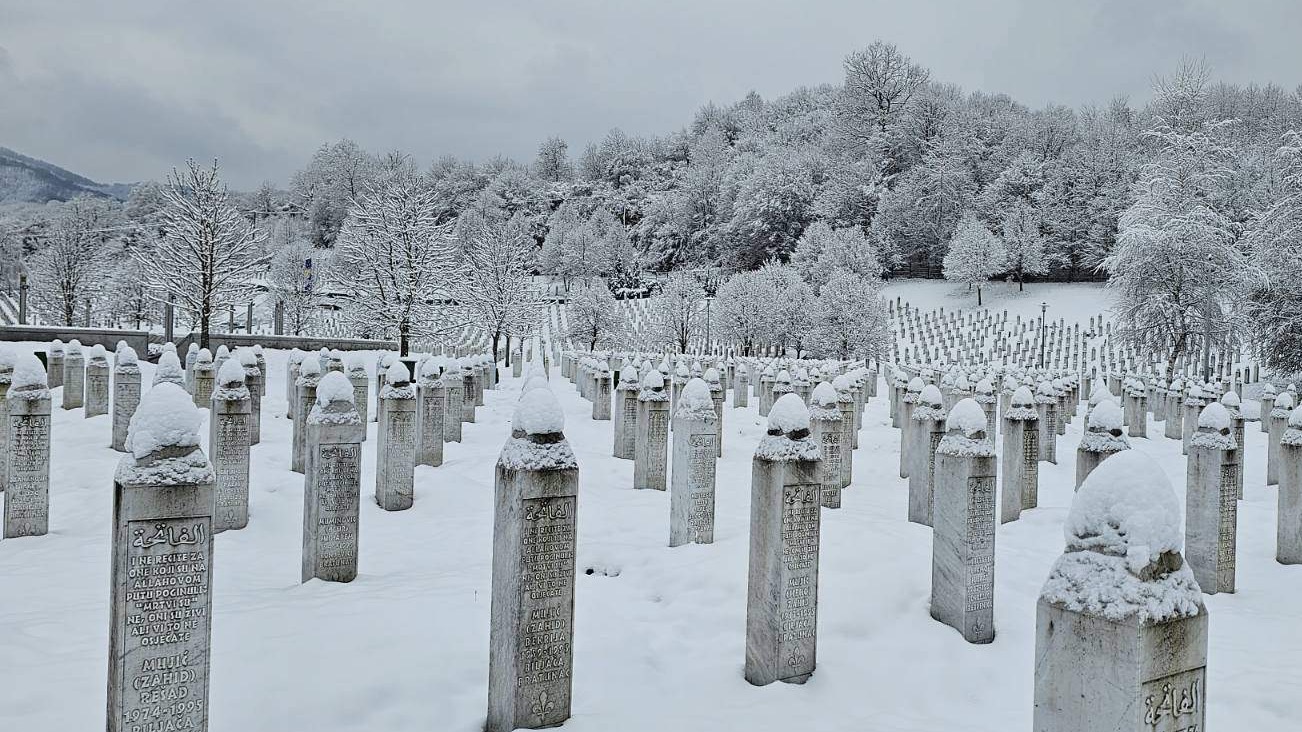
point(543, 706)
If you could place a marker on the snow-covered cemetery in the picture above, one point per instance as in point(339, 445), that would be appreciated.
point(883, 402)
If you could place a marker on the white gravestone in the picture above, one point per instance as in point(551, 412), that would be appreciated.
point(431, 411)
point(928, 418)
point(1103, 438)
point(1019, 489)
point(228, 447)
point(963, 541)
point(160, 628)
point(74, 376)
point(1211, 502)
point(55, 354)
point(26, 459)
point(652, 441)
point(253, 380)
point(691, 497)
point(395, 462)
point(625, 414)
point(332, 481)
point(309, 376)
point(97, 383)
point(827, 430)
point(1288, 547)
point(1121, 631)
point(785, 519)
point(530, 663)
point(126, 395)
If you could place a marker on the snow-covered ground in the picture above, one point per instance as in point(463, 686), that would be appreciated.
point(659, 632)
point(1072, 301)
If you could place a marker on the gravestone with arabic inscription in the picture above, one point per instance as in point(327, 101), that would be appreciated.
point(785, 521)
point(691, 497)
point(963, 540)
point(530, 665)
point(332, 483)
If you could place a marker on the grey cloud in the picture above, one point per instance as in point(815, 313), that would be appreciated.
point(109, 90)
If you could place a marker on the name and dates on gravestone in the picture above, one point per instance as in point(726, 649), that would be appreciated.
point(230, 459)
point(547, 589)
point(980, 544)
point(165, 625)
point(1228, 529)
point(657, 435)
point(701, 457)
point(27, 497)
point(336, 508)
point(1030, 468)
point(798, 611)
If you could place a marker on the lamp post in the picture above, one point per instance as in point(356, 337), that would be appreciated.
point(22, 299)
point(708, 300)
point(1043, 331)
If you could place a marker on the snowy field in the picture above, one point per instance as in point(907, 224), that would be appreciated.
point(1072, 301)
point(659, 632)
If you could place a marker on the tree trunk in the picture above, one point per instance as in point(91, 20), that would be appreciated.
point(205, 312)
point(404, 329)
point(508, 350)
point(497, 336)
point(1019, 279)
point(978, 295)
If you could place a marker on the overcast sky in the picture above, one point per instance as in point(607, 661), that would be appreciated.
point(123, 91)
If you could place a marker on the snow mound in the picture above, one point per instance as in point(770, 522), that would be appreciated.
point(824, 395)
point(28, 374)
point(1106, 416)
point(192, 348)
point(628, 378)
point(98, 354)
point(916, 384)
point(397, 373)
point(246, 357)
point(334, 387)
point(56, 347)
point(1022, 397)
point(1295, 418)
point(694, 401)
point(231, 373)
point(309, 367)
point(712, 375)
point(1283, 405)
point(1123, 543)
point(968, 417)
point(1231, 400)
point(224, 352)
point(539, 413)
point(204, 356)
point(1214, 416)
point(653, 380)
point(74, 347)
point(788, 415)
point(931, 395)
point(169, 370)
point(127, 357)
point(166, 417)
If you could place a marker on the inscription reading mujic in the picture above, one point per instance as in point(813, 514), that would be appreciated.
point(543, 651)
point(338, 493)
point(980, 543)
point(798, 608)
point(165, 628)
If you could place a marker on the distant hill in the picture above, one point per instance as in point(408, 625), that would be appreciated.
point(28, 180)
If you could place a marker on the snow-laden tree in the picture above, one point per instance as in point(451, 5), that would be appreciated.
point(745, 303)
point(823, 251)
point(74, 267)
point(399, 263)
point(1276, 244)
point(573, 249)
point(773, 206)
point(677, 317)
point(295, 280)
point(203, 258)
point(1023, 243)
point(850, 319)
point(496, 290)
point(596, 320)
point(879, 84)
point(1177, 276)
point(975, 255)
point(553, 161)
point(326, 188)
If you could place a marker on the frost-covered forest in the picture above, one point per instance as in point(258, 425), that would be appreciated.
point(1188, 201)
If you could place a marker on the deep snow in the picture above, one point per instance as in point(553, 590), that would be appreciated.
point(659, 632)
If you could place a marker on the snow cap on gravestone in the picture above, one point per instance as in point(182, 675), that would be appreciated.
point(840, 384)
point(1216, 417)
point(539, 413)
point(1127, 518)
point(397, 373)
point(712, 375)
point(28, 375)
point(788, 416)
point(1106, 417)
point(695, 401)
point(204, 356)
point(166, 417)
point(931, 396)
point(309, 367)
point(1284, 402)
point(169, 367)
point(222, 350)
point(192, 348)
point(246, 358)
point(653, 380)
point(334, 388)
point(231, 373)
point(74, 347)
point(824, 395)
point(56, 347)
point(967, 417)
